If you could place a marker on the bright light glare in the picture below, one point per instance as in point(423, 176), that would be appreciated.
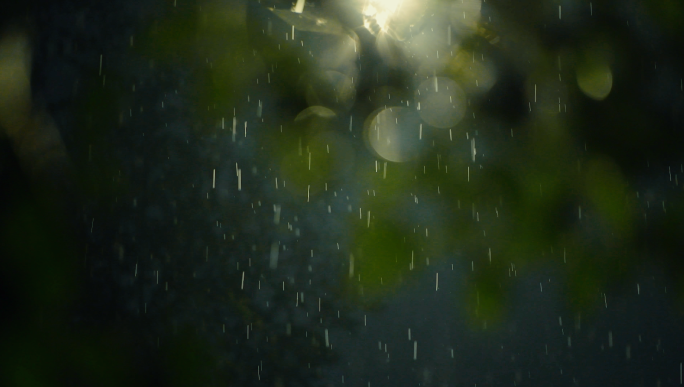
point(299, 7)
point(380, 12)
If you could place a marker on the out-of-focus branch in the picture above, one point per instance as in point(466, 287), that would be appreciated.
point(34, 137)
point(15, 82)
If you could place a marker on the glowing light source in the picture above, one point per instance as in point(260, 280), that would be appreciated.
point(299, 7)
point(379, 13)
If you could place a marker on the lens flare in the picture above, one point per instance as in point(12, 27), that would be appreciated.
point(378, 13)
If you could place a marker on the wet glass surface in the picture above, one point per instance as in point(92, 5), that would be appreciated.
point(343, 192)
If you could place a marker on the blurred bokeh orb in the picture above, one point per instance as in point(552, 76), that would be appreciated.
point(440, 102)
point(315, 119)
point(473, 72)
point(394, 133)
point(595, 79)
